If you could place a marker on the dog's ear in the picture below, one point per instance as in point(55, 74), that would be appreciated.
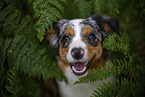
point(53, 34)
point(110, 25)
point(106, 24)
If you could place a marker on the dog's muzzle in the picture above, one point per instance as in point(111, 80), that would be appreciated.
point(81, 68)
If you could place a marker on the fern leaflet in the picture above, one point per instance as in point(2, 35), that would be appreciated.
point(47, 11)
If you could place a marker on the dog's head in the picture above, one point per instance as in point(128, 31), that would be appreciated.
point(78, 41)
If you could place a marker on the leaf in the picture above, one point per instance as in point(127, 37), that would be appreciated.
point(97, 74)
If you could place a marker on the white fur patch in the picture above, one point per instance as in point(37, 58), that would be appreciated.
point(78, 90)
point(53, 41)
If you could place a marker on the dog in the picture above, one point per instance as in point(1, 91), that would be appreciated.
point(78, 44)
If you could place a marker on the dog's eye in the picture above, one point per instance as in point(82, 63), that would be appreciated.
point(65, 41)
point(92, 39)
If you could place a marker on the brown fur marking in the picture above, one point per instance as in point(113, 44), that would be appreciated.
point(50, 34)
point(69, 31)
point(98, 62)
point(63, 51)
point(87, 30)
point(97, 51)
point(63, 60)
point(107, 28)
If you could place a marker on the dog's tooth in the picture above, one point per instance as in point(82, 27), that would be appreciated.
point(84, 69)
point(86, 63)
point(73, 68)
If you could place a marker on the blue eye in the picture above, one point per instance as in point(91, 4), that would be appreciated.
point(65, 41)
point(92, 39)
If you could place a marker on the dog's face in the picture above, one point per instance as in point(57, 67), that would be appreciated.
point(79, 41)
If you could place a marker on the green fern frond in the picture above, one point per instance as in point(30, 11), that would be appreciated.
point(113, 89)
point(125, 67)
point(97, 74)
point(22, 49)
point(122, 67)
point(4, 48)
point(115, 43)
point(14, 86)
point(84, 8)
point(22, 25)
point(19, 51)
point(7, 18)
point(64, 1)
point(110, 8)
point(109, 89)
point(124, 87)
point(56, 3)
point(21, 84)
point(47, 11)
point(4, 12)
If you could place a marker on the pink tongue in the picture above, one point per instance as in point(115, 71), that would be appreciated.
point(79, 66)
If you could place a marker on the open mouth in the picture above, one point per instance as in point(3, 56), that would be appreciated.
point(80, 68)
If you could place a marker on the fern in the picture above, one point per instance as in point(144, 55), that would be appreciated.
point(14, 87)
point(123, 67)
point(5, 12)
point(97, 74)
point(18, 48)
point(126, 86)
point(47, 11)
point(21, 84)
point(105, 90)
point(113, 90)
point(115, 43)
point(21, 49)
point(110, 8)
point(84, 8)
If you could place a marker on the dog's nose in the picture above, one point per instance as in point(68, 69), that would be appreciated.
point(77, 53)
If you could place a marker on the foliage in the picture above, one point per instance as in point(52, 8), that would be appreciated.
point(15, 86)
point(24, 56)
point(84, 8)
point(111, 8)
point(47, 11)
point(20, 48)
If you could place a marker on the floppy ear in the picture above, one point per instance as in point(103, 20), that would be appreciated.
point(53, 34)
point(110, 25)
point(106, 24)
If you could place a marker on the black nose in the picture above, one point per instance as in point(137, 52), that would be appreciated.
point(77, 53)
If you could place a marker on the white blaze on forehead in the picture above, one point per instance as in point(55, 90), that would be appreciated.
point(77, 26)
point(77, 40)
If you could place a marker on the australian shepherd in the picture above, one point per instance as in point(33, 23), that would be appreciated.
point(78, 44)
